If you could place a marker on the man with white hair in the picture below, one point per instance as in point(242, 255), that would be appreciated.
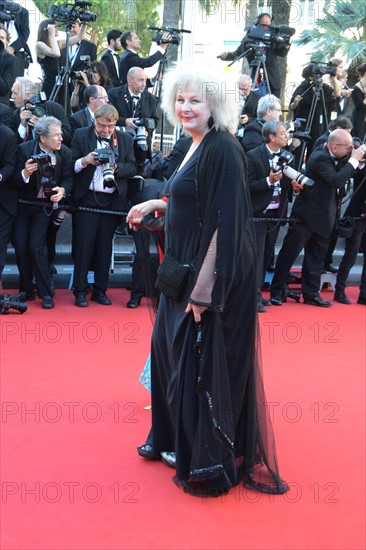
point(269, 108)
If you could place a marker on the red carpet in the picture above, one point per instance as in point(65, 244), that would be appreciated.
point(73, 414)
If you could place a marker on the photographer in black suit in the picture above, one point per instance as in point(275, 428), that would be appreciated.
point(18, 29)
point(25, 90)
point(8, 191)
point(111, 57)
point(8, 66)
point(45, 180)
point(6, 116)
point(268, 108)
point(316, 209)
point(134, 103)
point(132, 44)
point(269, 194)
point(93, 233)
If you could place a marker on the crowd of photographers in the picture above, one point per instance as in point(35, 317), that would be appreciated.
point(92, 132)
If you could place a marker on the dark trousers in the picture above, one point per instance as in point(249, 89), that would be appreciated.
point(29, 239)
point(92, 242)
point(315, 248)
point(352, 246)
point(266, 234)
point(6, 225)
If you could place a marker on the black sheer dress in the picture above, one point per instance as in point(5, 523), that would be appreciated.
point(207, 393)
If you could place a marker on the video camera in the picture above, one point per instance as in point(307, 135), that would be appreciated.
point(106, 158)
point(282, 164)
point(9, 11)
point(274, 35)
point(35, 105)
point(71, 13)
point(158, 38)
point(46, 167)
point(86, 59)
point(321, 69)
point(140, 136)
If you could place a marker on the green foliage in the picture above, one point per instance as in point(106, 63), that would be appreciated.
point(117, 14)
point(342, 29)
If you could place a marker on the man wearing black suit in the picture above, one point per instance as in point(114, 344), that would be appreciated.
point(316, 209)
point(249, 100)
point(133, 102)
point(6, 116)
point(93, 233)
point(268, 108)
point(8, 66)
point(264, 21)
point(111, 57)
point(8, 191)
point(269, 194)
point(19, 31)
point(132, 44)
point(31, 222)
point(23, 90)
point(94, 97)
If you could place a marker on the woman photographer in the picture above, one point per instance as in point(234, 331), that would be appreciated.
point(48, 47)
point(359, 99)
point(99, 75)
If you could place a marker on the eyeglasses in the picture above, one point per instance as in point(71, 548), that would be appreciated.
point(278, 110)
point(54, 135)
point(105, 126)
point(101, 97)
point(348, 146)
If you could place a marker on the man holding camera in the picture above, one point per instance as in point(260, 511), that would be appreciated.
point(137, 112)
point(316, 209)
point(18, 29)
point(269, 194)
point(43, 175)
point(103, 160)
point(78, 52)
point(29, 109)
point(271, 52)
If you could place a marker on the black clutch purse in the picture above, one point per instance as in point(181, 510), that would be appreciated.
point(152, 223)
point(172, 277)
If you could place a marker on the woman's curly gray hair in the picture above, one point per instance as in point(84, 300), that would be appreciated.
point(221, 95)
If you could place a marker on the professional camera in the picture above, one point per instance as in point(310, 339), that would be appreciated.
point(274, 35)
point(140, 136)
point(282, 164)
point(46, 167)
point(86, 59)
point(106, 159)
point(325, 68)
point(299, 131)
point(71, 13)
point(158, 38)
point(9, 11)
point(356, 144)
point(35, 105)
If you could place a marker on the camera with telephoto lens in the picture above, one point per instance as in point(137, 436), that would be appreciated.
point(35, 105)
point(282, 164)
point(71, 13)
point(46, 167)
point(140, 135)
point(76, 75)
point(9, 11)
point(106, 159)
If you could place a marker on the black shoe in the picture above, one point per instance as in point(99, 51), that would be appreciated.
point(261, 308)
point(80, 299)
point(47, 302)
point(146, 451)
point(361, 300)
point(276, 300)
point(134, 302)
point(53, 270)
point(265, 302)
point(316, 301)
point(101, 298)
point(169, 459)
point(329, 268)
point(24, 296)
point(341, 297)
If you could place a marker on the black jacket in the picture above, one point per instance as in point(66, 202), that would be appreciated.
point(131, 59)
point(107, 59)
point(8, 69)
point(8, 187)
point(6, 116)
point(85, 48)
point(80, 119)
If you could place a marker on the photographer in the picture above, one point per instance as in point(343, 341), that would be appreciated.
point(316, 209)
point(43, 174)
point(269, 108)
point(96, 74)
point(98, 184)
point(249, 100)
point(271, 52)
point(29, 109)
point(132, 44)
point(48, 51)
point(269, 190)
point(8, 65)
point(94, 97)
point(135, 104)
point(17, 26)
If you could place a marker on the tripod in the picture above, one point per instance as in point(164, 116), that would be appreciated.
point(317, 85)
point(257, 63)
point(63, 78)
point(156, 92)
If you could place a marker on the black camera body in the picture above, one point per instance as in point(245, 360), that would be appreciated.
point(46, 167)
point(158, 38)
point(106, 157)
point(71, 13)
point(76, 75)
point(147, 123)
point(36, 106)
point(299, 131)
point(321, 69)
point(9, 11)
point(274, 35)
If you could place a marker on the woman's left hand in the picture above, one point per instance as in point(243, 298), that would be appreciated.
point(196, 310)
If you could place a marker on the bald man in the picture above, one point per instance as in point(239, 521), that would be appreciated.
point(316, 208)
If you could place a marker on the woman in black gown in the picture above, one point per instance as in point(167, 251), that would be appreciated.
point(359, 99)
point(208, 408)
